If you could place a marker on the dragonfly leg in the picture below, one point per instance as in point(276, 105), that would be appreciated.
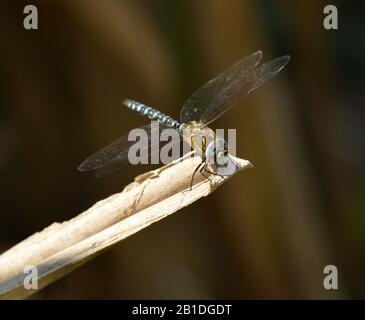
point(202, 170)
point(192, 178)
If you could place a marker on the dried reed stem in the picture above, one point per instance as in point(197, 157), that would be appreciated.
point(62, 247)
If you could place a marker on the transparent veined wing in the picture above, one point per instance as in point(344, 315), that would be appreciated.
point(236, 84)
point(201, 100)
point(241, 86)
point(114, 156)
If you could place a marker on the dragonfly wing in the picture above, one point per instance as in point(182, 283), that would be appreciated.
point(114, 156)
point(114, 151)
point(111, 168)
point(200, 101)
point(240, 86)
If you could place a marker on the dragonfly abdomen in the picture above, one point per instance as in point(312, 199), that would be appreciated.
point(153, 114)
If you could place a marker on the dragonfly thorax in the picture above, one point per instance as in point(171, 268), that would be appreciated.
point(198, 136)
point(205, 143)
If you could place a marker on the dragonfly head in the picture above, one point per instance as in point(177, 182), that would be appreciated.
point(217, 152)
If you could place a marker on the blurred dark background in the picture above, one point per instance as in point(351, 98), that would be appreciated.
point(266, 233)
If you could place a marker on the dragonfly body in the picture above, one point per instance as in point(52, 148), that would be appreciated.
point(201, 138)
point(195, 133)
point(153, 114)
point(203, 107)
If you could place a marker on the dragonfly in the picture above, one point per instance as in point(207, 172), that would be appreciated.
point(203, 107)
